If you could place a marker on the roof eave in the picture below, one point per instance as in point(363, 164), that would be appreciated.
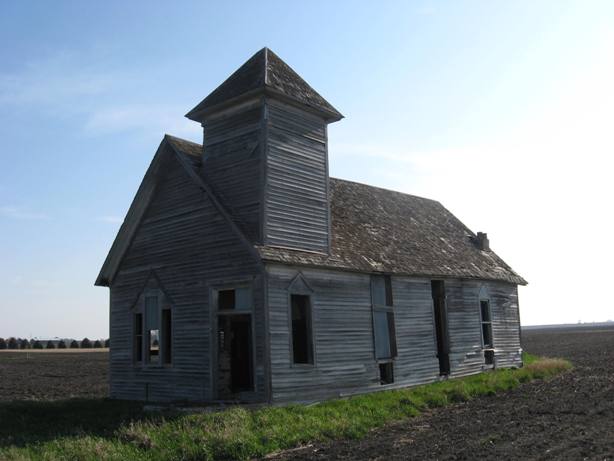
point(203, 110)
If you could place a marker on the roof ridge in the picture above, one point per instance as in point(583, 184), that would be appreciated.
point(386, 189)
point(266, 66)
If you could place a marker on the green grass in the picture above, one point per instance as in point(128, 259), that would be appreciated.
point(111, 430)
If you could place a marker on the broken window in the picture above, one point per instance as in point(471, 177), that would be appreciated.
point(386, 373)
point(234, 299)
point(138, 337)
point(302, 341)
point(486, 320)
point(383, 317)
point(152, 330)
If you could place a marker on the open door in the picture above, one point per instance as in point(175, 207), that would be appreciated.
point(441, 326)
point(235, 369)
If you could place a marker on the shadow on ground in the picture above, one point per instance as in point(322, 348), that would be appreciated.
point(23, 422)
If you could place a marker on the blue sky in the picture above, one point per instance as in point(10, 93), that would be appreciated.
point(500, 110)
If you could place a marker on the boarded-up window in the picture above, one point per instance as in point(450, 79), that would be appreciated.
point(381, 290)
point(302, 341)
point(383, 317)
point(487, 341)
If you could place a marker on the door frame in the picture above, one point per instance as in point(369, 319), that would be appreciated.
point(214, 314)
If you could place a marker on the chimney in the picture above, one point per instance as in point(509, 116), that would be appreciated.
point(482, 242)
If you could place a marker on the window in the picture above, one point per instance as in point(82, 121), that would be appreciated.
point(234, 299)
point(138, 337)
point(167, 341)
point(383, 317)
point(302, 341)
point(153, 331)
point(386, 373)
point(486, 320)
point(381, 288)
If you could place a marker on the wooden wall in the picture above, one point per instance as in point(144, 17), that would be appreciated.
point(233, 166)
point(296, 212)
point(343, 332)
point(190, 248)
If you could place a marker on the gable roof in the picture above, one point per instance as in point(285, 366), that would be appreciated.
point(372, 230)
point(265, 72)
point(379, 230)
point(189, 156)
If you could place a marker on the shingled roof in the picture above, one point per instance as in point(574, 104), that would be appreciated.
point(265, 72)
point(379, 230)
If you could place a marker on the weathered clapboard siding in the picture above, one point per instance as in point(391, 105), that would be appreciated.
point(342, 328)
point(463, 304)
point(343, 333)
point(417, 349)
point(190, 247)
point(296, 196)
point(232, 164)
point(506, 323)
point(466, 356)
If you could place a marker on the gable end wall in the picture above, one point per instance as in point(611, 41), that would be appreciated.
point(189, 246)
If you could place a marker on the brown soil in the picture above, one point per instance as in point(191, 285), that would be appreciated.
point(53, 375)
point(569, 417)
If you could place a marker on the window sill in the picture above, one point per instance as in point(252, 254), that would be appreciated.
point(306, 366)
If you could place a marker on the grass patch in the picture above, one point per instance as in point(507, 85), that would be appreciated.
point(108, 430)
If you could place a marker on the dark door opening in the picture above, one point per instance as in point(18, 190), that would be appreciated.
point(441, 325)
point(235, 371)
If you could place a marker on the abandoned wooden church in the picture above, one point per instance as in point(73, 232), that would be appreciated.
point(243, 272)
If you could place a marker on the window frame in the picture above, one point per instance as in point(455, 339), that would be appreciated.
point(140, 308)
point(299, 286)
point(310, 332)
point(388, 309)
point(488, 322)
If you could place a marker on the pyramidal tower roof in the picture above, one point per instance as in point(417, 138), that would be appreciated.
point(264, 73)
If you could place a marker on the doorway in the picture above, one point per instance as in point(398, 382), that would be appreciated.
point(235, 368)
point(438, 291)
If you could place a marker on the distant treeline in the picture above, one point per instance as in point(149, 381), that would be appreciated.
point(22, 343)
